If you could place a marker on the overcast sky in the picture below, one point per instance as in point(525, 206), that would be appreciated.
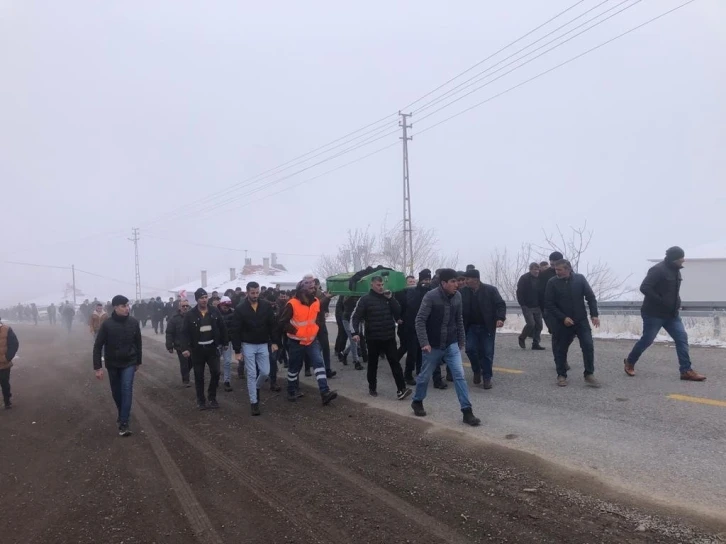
point(122, 114)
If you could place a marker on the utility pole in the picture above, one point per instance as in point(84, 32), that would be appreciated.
point(407, 224)
point(73, 271)
point(135, 240)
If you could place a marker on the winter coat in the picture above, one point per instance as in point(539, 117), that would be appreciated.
point(379, 315)
point(190, 329)
point(9, 346)
point(413, 304)
point(565, 297)
point(253, 327)
point(662, 287)
point(544, 278)
point(491, 306)
point(349, 307)
point(120, 338)
point(174, 331)
point(96, 321)
point(528, 291)
point(440, 320)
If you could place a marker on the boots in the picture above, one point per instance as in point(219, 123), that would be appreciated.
point(469, 418)
point(418, 409)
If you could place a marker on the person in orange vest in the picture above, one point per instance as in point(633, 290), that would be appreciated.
point(298, 321)
point(9, 346)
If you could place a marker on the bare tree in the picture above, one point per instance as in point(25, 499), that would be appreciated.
point(426, 252)
point(605, 283)
point(504, 269)
point(359, 251)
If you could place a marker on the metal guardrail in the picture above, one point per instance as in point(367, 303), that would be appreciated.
point(688, 309)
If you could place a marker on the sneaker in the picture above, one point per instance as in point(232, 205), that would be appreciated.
point(275, 388)
point(538, 348)
point(330, 374)
point(328, 396)
point(629, 368)
point(521, 343)
point(228, 387)
point(213, 404)
point(403, 395)
point(591, 381)
point(255, 409)
point(561, 381)
point(693, 376)
point(123, 430)
point(410, 380)
point(477, 378)
point(487, 383)
point(308, 373)
point(470, 419)
point(201, 405)
point(418, 409)
point(358, 366)
point(372, 392)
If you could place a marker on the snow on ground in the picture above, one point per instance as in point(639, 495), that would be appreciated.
point(221, 282)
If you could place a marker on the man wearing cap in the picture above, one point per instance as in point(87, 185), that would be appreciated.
point(174, 339)
point(120, 338)
point(440, 331)
point(484, 312)
point(661, 305)
point(9, 346)
point(203, 335)
point(227, 311)
point(298, 321)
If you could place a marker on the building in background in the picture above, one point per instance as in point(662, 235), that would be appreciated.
point(703, 273)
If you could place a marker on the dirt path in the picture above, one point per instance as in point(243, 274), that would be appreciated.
point(301, 473)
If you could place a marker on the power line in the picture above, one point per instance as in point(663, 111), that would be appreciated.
point(38, 265)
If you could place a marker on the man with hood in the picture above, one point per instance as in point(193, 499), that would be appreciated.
point(120, 338)
point(662, 302)
point(9, 346)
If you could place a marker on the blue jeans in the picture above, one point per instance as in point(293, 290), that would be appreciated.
point(227, 362)
point(452, 357)
point(122, 389)
point(297, 354)
point(480, 349)
point(257, 363)
point(674, 327)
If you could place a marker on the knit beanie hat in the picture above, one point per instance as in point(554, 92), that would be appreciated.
point(556, 256)
point(447, 274)
point(119, 300)
point(674, 253)
point(199, 293)
point(425, 274)
point(474, 273)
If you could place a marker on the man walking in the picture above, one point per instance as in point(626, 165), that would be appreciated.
point(565, 306)
point(545, 275)
point(97, 318)
point(380, 311)
point(661, 305)
point(52, 314)
point(174, 340)
point(528, 298)
point(227, 312)
point(120, 338)
point(440, 331)
point(203, 335)
point(484, 312)
point(253, 329)
point(9, 346)
point(298, 321)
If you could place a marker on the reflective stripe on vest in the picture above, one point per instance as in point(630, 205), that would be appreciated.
point(304, 320)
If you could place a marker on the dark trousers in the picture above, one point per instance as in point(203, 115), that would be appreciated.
point(387, 348)
point(480, 343)
point(185, 366)
point(158, 324)
point(533, 327)
point(206, 356)
point(5, 385)
point(562, 339)
point(342, 337)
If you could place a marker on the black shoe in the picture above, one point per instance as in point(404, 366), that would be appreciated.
point(299, 394)
point(403, 395)
point(213, 404)
point(365, 359)
point(328, 396)
point(8, 405)
point(410, 380)
point(123, 430)
point(418, 409)
point(186, 383)
point(255, 409)
point(201, 405)
point(441, 385)
point(521, 343)
point(308, 373)
point(228, 387)
point(330, 373)
point(538, 348)
point(373, 392)
point(344, 360)
point(449, 377)
point(358, 366)
point(469, 418)
point(258, 396)
point(292, 397)
point(275, 388)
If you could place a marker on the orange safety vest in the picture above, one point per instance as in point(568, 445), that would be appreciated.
point(304, 320)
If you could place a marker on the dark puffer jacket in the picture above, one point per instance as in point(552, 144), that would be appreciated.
point(528, 291)
point(379, 315)
point(120, 338)
point(565, 297)
point(662, 287)
point(487, 302)
point(440, 320)
point(174, 331)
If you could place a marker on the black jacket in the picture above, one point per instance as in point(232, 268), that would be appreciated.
point(190, 329)
point(544, 278)
point(349, 307)
point(253, 327)
point(565, 297)
point(120, 338)
point(662, 287)
point(413, 304)
point(174, 331)
point(13, 344)
point(439, 322)
point(528, 291)
point(379, 314)
point(491, 305)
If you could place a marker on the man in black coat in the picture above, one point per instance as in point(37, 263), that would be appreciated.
point(204, 334)
point(565, 306)
point(119, 339)
point(380, 311)
point(9, 346)
point(484, 312)
point(528, 299)
point(402, 298)
point(174, 340)
point(661, 305)
point(342, 338)
point(545, 275)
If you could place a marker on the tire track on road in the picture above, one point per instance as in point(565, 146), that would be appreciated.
point(196, 516)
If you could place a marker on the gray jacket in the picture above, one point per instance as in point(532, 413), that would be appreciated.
point(440, 320)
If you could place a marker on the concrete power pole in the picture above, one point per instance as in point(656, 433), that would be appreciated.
point(135, 240)
point(73, 271)
point(407, 224)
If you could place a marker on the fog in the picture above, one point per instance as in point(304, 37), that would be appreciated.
point(116, 115)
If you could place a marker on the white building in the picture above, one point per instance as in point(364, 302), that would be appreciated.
point(704, 273)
